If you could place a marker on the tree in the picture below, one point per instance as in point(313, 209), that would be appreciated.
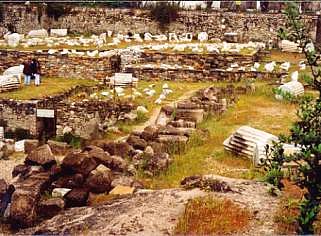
point(306, 132)
point(165, 13)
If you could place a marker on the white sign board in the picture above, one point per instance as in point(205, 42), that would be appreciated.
point(1, 133)
point(46, 113)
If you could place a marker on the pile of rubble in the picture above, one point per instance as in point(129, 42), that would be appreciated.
point(45, 184)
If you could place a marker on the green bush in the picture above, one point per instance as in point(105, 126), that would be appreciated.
point(56, 10)
point(18, 134)
point(73, 140)
point(165, 13)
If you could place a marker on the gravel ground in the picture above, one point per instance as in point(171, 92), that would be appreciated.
point(6, 166)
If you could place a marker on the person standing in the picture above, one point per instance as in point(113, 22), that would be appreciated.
point(35, 68)
point(27, 72)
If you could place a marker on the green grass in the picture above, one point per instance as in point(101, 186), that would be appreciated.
point(259, 110)
point(48, 87)
point(179, 89)
point(212, 216)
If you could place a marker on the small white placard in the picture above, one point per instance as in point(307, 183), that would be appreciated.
point(46, 113)
point(1, 133)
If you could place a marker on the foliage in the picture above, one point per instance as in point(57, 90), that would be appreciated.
point(56, 10)
point(1, 12)
point(306, 132)
point(209, 215)
point(286, 96)
point(273, 164)
point(73, 140)
point(18, 134)
point(165, 13)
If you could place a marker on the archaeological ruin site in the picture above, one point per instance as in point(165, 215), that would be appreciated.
point(160, 118)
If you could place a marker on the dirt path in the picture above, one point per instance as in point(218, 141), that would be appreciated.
point(156, 212)
point(154, 114)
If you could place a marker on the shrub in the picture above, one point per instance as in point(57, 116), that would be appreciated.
point(1, 12)
point(73, 140)
point(56, 10)
point(18, 134)
point(165, 13)
point(273, 164)
point(286, 96)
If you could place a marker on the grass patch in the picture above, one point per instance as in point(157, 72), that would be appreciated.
point(48, 87)
point(179, 89)
point(259, 110)
point(288, 209)
point(210, 215)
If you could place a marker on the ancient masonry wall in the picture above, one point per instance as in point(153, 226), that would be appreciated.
point(199, 75)
point(57, 65)
point(251, 26)
point(76, 115)
point(199, 61)
point(18, 115)
point(60, 65)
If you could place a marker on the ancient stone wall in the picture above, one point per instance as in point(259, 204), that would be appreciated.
point(60, 65)
point(77, 115)
point(199, 75)
point(22, 115)
point(199, 61)
point(251, 26)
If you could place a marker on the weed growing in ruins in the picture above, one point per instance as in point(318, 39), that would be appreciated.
point(210, 215)
point(286, 96)
point(306, 133)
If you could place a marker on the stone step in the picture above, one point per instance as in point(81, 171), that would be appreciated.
point(182, 124)
point(195, 115)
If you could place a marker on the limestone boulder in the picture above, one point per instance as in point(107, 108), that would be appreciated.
point(13, 39)
point(137, 142)
point(79, 162)
point(122, 149)
point(50, 207)
point(150, 133)
point(60, 192)
point(25, 199)
point(58, 32)
point(124, 180)
point(117, 163)
point(30, 144)
point(21, 169)
point(77, 197)
point(90, 130)
point(159, 162)
point(23, 209)
point(58, 148)
point(194, 115)
point(70, 181)
point(41, 33)
point(99, 182)
point(41, 156)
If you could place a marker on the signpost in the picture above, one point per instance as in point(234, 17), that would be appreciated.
point(46, 113)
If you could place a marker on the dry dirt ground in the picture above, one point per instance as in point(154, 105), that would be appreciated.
point(155, 212)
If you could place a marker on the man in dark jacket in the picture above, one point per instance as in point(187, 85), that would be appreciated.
point(27, 72)
point(35, 70)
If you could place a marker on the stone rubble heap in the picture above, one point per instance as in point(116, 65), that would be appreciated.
point(68, 183)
